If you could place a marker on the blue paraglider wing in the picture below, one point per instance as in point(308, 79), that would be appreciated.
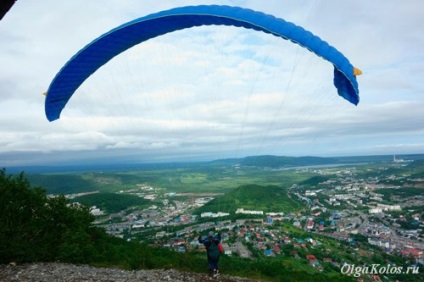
point(119, 39)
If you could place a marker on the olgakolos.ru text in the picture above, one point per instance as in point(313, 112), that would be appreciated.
point(356, 271)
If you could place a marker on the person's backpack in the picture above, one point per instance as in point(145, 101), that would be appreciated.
point(220, 248)
point(213, 251)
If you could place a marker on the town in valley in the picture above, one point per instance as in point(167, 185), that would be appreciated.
point(333, 215)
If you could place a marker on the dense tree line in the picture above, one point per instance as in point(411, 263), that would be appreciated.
point(37, 228)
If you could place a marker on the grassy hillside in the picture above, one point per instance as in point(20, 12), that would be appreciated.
point(112, 202)
point(313, 181)
point(254, 197)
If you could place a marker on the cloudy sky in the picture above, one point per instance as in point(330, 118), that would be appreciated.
point(212, 92)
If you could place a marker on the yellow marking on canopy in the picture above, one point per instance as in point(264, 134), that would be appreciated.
point(356, 71)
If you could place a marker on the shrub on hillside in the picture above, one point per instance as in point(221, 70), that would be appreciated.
point(34, 227)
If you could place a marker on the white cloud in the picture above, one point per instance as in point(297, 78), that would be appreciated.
point(213, 91)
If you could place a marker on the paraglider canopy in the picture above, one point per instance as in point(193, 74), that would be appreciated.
point(5, 6)
point(104, 48)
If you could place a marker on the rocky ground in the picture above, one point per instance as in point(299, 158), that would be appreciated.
point(50, 272)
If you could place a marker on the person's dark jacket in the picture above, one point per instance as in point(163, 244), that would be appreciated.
point(209, 240)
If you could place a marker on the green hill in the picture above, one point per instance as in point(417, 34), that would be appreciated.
point(112, 202)
point(254, 197)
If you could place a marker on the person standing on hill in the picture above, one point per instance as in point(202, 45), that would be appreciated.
point(211, 243)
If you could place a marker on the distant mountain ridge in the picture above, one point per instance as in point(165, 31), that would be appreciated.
point(272, 161)
point(265, 161)
point(276, 161)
